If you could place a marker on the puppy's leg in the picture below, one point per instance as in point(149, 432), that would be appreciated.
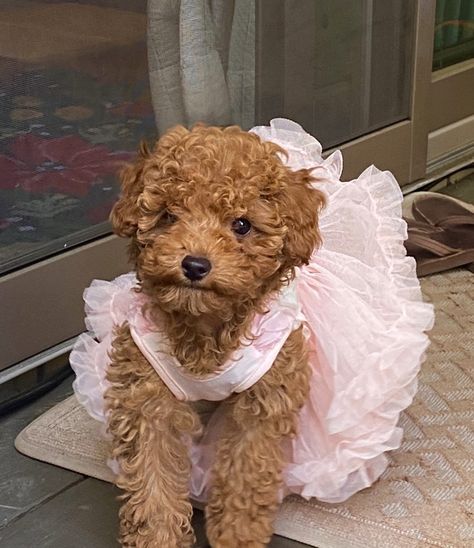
point(247, 474)
point(149, 430)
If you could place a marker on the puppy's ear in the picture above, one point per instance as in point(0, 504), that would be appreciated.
point(301, 205)
point(124, 214)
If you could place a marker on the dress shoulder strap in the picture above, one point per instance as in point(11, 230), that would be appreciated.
point(242, 370)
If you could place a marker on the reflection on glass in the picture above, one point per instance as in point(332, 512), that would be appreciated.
point(342, 68)
point(339, 67)
point(74, 104)
point(454, 32)
point(80, 84)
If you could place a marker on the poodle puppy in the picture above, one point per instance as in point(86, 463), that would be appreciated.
point(217, 225)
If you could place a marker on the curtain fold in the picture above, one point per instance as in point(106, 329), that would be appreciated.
point(201, 56)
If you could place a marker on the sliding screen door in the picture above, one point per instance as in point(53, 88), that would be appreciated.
point(74, 103)
point(352, 72)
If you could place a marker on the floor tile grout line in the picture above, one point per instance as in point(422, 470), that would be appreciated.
point(17, 518)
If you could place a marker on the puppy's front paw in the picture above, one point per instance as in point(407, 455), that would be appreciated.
point(158, 536)
point(157, 540)
point(236, 531)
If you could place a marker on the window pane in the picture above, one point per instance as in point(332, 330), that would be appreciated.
point(75, 102)
point(339, 67)
point(77, 91)
point(454, 32)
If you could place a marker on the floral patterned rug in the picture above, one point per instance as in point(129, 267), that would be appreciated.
point(63, 137)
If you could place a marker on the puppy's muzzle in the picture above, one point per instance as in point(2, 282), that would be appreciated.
point(195, 268)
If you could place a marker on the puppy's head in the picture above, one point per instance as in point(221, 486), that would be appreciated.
point(217, 221)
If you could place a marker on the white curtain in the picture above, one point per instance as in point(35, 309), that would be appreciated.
point(201, 56)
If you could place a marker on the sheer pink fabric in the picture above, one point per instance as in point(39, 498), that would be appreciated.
point(360, 300)
point(116, 302)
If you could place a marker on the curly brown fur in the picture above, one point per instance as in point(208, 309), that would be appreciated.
point(181, 199)
point(247, 474)
point(149, 427)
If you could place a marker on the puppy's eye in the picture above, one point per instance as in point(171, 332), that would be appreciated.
point(167, 218)
point(241, 226)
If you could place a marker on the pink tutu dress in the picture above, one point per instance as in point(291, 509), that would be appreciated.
point(360, 302)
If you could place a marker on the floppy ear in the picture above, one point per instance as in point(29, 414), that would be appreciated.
point(301, 205)
point(124, 214)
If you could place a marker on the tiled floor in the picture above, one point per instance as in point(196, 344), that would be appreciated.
point(459, 184)
point(463, 189)
point(44, 506)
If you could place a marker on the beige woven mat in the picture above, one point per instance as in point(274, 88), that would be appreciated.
point(426, 496)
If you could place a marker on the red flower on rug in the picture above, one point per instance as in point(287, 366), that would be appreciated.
point(69, 165)
point(141, 108)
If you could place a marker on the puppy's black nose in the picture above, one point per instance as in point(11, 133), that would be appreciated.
point(195, 268)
